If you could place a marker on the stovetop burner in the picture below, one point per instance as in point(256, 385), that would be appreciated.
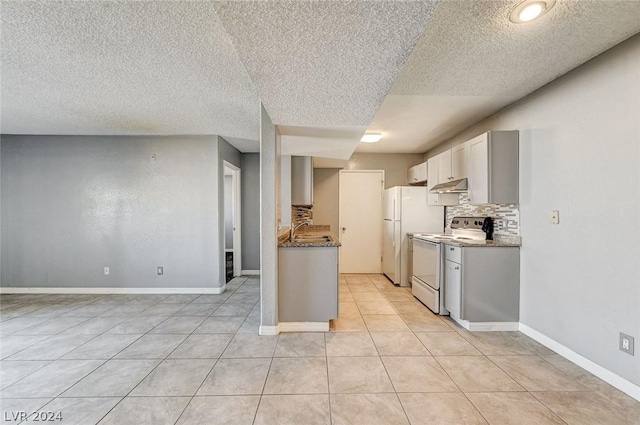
point(467, 229)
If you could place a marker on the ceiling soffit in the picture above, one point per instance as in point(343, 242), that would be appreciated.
point(317, 63)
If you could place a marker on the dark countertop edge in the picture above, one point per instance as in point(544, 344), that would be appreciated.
point(309, 245)
point(335, 243)
point(488, 244)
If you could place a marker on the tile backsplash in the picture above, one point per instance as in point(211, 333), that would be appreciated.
point(506, 217)
point(300, 214)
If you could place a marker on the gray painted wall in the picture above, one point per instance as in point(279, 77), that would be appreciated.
point(250, 164)
point(395, 165)
point(228, 212)
point(285, 191)
point(74, 204)
point(579, 140)
point(326, 183)
point(0, 210)
point(326, 197)
point(269, 197)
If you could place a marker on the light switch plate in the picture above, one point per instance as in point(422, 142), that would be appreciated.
point(626, 343)
point(555, 217)
point(160, 270)
point(106, 271)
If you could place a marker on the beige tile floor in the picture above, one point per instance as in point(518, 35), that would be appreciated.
point(197, 359)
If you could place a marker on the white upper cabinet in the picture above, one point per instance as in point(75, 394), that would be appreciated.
point(422, 172)
point(432, 180)
point(301, 180)
point(433, 173)
point(453, 163)
point(479, 170)
point(417, 174)
point(493, 168)
point(444, 167)
point(460, 161)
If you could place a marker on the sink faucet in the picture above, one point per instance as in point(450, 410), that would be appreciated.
point(299, 225)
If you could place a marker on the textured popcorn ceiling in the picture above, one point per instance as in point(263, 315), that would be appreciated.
point(324, 62)
point(321, 68)
point(128, 67)
point(472, 61)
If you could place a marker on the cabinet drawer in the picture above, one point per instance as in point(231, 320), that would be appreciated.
point(453, 253)
point(429, 296)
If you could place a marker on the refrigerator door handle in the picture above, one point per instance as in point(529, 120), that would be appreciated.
point(393, 237)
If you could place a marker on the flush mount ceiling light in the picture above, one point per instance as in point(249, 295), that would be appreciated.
point(371, 137)
point(529, 10)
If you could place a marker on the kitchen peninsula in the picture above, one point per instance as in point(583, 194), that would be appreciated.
point(308, 279)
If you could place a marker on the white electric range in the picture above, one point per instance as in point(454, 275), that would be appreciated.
point(428, 261)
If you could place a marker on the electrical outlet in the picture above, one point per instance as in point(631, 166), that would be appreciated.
point(626, 343)
point(555, 217)
point(160, 270)
point(154, 158)
point(106, 271)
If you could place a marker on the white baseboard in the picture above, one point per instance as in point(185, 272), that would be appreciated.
point(606, 375)
point(109, 291)
point(251, 272)
point(303, 326)
point(488, 326)
point(268, 330)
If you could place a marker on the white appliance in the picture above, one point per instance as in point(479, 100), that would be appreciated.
point(405, 211)
point(427, 283)
point(427, 272)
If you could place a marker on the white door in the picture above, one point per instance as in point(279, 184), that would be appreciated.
point(232, 215)
point(361, 221)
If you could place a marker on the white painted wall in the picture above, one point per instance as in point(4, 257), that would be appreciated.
point(580, 154)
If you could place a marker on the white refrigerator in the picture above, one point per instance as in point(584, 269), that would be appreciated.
point(405, 211)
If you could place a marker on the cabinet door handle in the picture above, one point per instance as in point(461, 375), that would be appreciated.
point(457, 268)
point(451, 249)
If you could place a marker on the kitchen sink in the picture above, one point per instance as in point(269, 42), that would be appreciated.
point(312, 239)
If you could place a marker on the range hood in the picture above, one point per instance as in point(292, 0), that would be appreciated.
point(454, 186)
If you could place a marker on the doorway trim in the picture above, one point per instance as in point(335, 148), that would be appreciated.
point(340, 204)
point(236, 195)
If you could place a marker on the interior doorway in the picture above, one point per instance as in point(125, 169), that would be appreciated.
point(360, 229)
point(232, 224)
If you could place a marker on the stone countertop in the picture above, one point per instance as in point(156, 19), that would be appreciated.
point(481, 244)
point(501, 241)
point(313, 230)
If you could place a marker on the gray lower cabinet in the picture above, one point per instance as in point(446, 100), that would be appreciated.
point(307, 284)
point(482, 284)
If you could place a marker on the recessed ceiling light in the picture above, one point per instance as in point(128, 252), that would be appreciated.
point(529, 10)
point(371, 137)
